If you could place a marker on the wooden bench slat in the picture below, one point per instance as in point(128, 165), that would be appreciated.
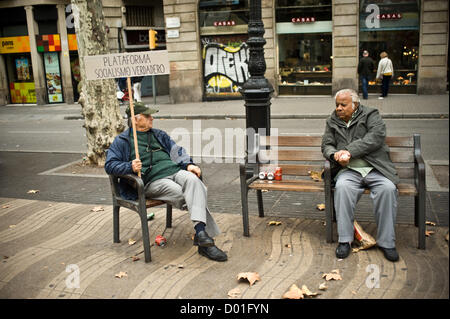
point(288, 185)
point(405, 172)
point(153, 202)
point(290, 155)
point(402, 157)
point(400, 141)
point(294, 169)
point(300, 141)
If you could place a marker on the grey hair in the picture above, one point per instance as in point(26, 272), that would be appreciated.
point(353, 94)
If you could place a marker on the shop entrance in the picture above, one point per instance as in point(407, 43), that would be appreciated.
point(20, 78)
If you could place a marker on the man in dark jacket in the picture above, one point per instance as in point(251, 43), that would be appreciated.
point(365, 70)
point(168, 173)
point(354, 142)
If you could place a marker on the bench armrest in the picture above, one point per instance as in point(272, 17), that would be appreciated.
point(137, 182)
point(419, 166)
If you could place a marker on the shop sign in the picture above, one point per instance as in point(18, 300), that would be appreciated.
point(303, 20)
point(130, 64)
point(389, 16)
point(224, 23)
point(48, 43)
point(14, 44)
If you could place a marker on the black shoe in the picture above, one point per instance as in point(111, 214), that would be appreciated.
point(202, 239)
point(212, 253)
point(390, 253)
point(343, 250)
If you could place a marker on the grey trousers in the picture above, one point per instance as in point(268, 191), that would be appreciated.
point(349, 188)
point(185, 189)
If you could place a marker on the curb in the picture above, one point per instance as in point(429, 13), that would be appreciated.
point(281, 116)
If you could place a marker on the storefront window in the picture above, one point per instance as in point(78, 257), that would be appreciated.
point(223, 31)
point(304, 46)
point(393, 27)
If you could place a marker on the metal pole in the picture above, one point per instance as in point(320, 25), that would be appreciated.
point(154, 89)
point(257, 90)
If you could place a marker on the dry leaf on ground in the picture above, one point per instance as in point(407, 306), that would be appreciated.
point(33, 191)
point(430, 223)
point(250, 276)
point(320, 206)
point(293, 293)
point(308, 292)
point(131, 241)
point(272, 222)
point(317, 176)
point(97, 209)
point(234, 293)
point(323, 286)
point(428, 233)
point(333, 275)
point(135, 258)
point(121, 274)
point(5, 206)
point(446, 237)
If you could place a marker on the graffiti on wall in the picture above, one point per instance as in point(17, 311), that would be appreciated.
point(225, 68)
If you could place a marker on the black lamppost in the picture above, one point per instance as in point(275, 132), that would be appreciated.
point(257, 90)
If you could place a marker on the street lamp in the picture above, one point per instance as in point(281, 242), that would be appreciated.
point(257, 90)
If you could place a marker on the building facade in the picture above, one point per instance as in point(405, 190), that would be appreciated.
point(312, 46)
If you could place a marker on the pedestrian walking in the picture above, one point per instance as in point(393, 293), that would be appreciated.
point(137, 88)
point(385, 72)
point(365, 69)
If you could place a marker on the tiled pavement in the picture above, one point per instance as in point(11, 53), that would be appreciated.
point(43, 235)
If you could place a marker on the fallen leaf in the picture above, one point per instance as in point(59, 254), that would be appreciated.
point(12, 226)
point(323, 286)
point(428, 233)
point(97, 209)
point(250, 276)
point(5, 206)
point(131, 241)
point(333, 275)
point(293, 293)
point(135, 258)
point(320, 206)
point(121, 274)
point(33, 191)
point(181, 266)
point(430, 223)
point(317, 176)
point(307, 292)
point(287, 245)
point(446, 237)
point(234, 293)
point(272, 222)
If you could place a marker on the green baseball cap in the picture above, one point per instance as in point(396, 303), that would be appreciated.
point(140, 108)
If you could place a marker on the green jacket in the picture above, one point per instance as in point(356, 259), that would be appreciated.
point(364, 138)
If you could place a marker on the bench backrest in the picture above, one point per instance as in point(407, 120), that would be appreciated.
point(299, 155)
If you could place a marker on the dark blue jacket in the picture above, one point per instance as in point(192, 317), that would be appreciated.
point(118, 158)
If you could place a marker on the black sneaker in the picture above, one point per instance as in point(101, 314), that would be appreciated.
point(390, 253)
point(212, 253)
point(343, 250)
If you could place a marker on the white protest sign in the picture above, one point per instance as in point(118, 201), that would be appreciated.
point(130, 64)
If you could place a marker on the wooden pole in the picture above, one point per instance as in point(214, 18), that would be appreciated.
point(133, 121)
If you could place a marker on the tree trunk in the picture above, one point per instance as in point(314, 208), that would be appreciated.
point(99, 104)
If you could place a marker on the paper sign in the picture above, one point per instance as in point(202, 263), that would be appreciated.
point(122, 65)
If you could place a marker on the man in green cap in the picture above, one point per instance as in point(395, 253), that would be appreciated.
point(168, 173)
